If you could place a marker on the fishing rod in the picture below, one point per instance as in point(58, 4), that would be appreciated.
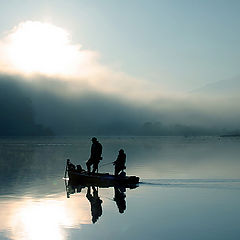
point(102, 196)
point(106, 164)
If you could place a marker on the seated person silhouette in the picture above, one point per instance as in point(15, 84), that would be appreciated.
point(70, 166)
point(119, 198)
point(96, 203)
point(120, 162)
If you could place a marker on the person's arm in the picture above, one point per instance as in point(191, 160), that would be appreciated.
point(116, 161)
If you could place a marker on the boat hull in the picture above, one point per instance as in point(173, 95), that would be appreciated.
point(102, 179)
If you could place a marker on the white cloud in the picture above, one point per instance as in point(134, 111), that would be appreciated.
point(33, 48)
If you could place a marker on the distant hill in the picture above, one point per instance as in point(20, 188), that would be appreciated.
point(230, 88)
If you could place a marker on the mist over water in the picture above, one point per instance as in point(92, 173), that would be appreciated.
point(189, 189)
point(51, 106)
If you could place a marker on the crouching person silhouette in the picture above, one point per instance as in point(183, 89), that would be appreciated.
point(120, 162)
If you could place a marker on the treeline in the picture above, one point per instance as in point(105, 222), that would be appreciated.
point(17, 114)
point(160, 129)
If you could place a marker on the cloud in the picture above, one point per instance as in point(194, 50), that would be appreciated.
point(94, 113)
point(36, 48)
point(42, 48)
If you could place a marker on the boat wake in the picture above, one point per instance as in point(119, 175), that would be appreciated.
point(193, 183)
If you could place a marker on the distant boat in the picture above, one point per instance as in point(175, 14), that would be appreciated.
point(102, 179)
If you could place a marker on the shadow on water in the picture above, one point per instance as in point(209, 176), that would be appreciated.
point(94, 197)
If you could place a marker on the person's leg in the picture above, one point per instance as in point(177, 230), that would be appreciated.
point(95, 193)
point(89, 163)
point(95, 166)
point(117, 170)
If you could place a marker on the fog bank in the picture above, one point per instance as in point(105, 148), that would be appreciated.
point(42, 106)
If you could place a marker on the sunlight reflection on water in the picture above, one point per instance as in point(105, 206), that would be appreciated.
point(36, 219)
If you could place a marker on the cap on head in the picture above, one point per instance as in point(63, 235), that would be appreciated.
point(94, 139)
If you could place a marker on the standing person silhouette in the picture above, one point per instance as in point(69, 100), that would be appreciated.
point(95, 157)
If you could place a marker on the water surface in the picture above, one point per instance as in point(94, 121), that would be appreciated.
point(190, 189)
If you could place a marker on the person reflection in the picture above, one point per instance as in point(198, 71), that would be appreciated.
point(119, 198)
point(70, 189)
point(96, 203)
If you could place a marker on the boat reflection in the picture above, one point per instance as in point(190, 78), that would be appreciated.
point(94, 199)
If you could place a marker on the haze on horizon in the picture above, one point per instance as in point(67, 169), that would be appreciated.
point(123, 65)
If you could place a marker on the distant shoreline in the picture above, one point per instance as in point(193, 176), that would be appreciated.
point(230, 135)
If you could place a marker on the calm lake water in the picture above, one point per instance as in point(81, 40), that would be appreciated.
point(190, 189)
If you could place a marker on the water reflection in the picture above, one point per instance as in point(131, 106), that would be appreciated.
point(95, 202)
point(119, 198)
point(45, 218)
point(40, 220)
point(94, 199)
point(33, 202)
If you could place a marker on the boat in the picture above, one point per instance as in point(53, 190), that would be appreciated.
point(101, 179)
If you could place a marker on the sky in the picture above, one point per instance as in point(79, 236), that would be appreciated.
point(182, 45)
point(130, 62)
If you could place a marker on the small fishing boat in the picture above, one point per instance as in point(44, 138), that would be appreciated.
point(102, 179)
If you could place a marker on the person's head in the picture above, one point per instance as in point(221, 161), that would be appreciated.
point(94, 139)
point(121, 210)
point(121, 151)
point(68, 161)
point(94, 219)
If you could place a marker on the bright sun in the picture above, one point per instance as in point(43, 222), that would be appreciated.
point(36, 47)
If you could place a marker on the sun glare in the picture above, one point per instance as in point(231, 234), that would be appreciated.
point(46, 219)
point(36, 47)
